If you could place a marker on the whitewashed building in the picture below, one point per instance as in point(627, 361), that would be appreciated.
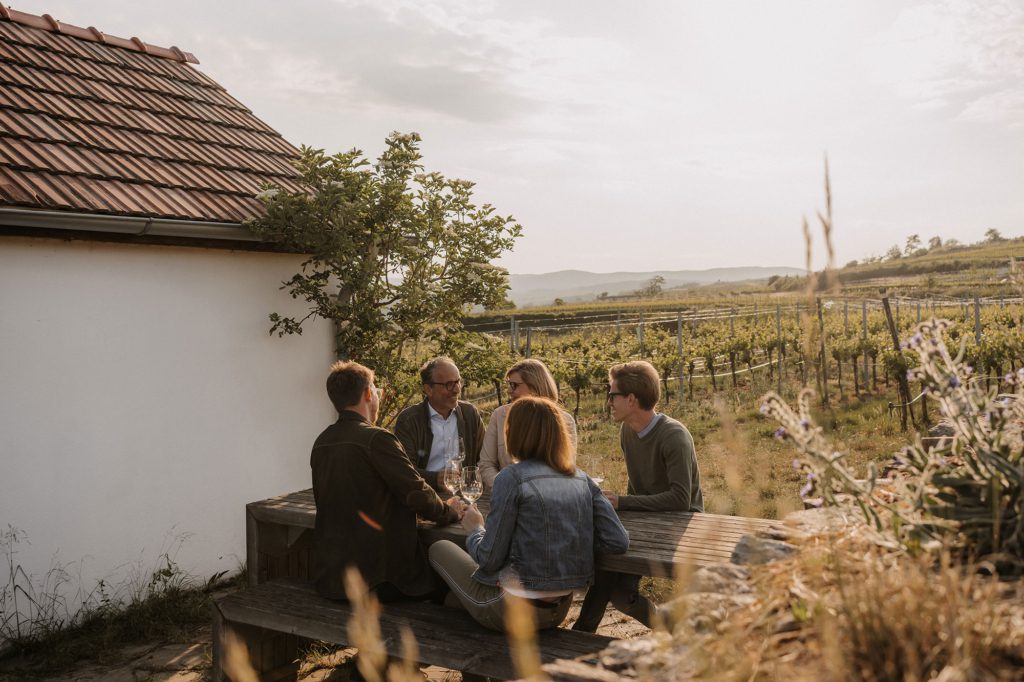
point(142, 400)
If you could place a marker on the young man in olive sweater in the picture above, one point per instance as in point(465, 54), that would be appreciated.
point(663, 476)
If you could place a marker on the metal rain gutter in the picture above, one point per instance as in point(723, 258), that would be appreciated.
point(127, 225)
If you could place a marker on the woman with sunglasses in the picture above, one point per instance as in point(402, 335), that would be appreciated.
point(547, 521)
point(525, 378)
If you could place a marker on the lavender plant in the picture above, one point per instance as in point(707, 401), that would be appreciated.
point(965, 492)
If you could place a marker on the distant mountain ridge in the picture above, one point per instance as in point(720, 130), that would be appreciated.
point(580, 285)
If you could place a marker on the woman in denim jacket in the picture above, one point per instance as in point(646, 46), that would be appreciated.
point(547, 520)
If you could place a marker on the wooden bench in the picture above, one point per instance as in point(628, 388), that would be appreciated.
point(273, 619)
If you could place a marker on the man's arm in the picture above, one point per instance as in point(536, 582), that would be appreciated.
point(474, 436)
point(391, 462)
point(677, 453)
point(407, 434)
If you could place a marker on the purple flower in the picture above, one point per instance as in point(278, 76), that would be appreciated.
point(796, 464)
point(806, 490)
point(764, 408)
point(780, 432)
point(805, 424)
point(954, 381)
point(1008, 378)
point(915, 340)
point(968, 370)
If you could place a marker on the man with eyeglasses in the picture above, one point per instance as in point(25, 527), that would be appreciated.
point(663, 476)
point(430, 431)
point(367, 499)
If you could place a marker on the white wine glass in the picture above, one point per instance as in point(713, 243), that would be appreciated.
point(452, 477)
point(472, 485)
point(459, 451)
point(595, 469)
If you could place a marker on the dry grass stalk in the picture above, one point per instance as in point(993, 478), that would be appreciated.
point(407, 670)
point(846, 609)
point(237, 666)
point(364, 628)
point(521, 627)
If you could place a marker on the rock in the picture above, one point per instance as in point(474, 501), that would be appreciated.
point(819, 521)
point(577, 671)
point(724, 578)
point(754, 550)
point(621, 653)
point(703, 611)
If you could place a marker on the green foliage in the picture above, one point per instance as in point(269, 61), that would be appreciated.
point(966, 492)
point(396, 255)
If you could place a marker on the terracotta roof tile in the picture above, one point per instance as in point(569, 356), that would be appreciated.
point(97, 123)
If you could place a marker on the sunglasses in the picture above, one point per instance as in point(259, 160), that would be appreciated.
point(611, 395)
point(513, 385)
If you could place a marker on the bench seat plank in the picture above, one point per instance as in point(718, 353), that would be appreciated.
point(446, 637)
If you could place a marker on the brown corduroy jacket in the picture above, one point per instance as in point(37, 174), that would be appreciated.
point(413, 431)
point(367, 497)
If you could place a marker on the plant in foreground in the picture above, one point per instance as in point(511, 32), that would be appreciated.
point(966, 492)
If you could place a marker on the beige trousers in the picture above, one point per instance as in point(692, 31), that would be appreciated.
point(485, 603)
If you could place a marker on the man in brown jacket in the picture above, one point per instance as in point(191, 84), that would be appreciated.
point(430, 431)
point(367, 497)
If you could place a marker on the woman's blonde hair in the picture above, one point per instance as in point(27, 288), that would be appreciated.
point(535, 429)
point(535, 374)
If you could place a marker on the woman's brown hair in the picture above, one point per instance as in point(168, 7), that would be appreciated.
point(534, 429)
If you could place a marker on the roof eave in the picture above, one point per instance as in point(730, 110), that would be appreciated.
point(129, 225)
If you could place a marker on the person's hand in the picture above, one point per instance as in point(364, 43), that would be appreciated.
point(472, 519)
point(612, 497)
point(458, 505)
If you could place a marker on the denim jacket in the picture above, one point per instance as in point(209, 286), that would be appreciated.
point(544, 528)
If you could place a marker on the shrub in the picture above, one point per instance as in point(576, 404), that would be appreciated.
point(964, 493)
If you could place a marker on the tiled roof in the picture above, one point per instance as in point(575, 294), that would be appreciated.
point(97, 124)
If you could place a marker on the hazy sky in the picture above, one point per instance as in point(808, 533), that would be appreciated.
point(674, 134)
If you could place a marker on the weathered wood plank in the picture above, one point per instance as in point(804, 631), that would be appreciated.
point(445, 637)
point(660, 542)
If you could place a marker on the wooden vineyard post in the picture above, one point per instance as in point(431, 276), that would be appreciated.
point(529, 334)
point(977, 320)
point(679, 352)
point(864, 338)
point(846, 318)
point(901, 380)
point(512, 334)
point(640, 334)
point(919, 312)
point(824, 356)
point(778, 332)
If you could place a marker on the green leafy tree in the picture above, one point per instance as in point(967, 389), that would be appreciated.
point(913, 245)
point(396, 255)
point(992, 235)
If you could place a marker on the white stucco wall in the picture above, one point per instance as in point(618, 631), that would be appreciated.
point(142, 400)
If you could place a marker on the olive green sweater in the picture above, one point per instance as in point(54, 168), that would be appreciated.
point(662, 468)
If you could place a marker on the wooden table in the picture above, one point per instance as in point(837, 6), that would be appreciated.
point(279, 538)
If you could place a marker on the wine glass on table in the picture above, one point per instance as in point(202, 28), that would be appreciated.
point(472, 484)
point(452, 476)
point(459, 452)
point(595, 469)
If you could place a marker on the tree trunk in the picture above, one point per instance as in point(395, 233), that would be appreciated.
point(497, 390)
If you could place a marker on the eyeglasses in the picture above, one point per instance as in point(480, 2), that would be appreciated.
point(513, 385)
point(448, 385)
point(612, 394)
